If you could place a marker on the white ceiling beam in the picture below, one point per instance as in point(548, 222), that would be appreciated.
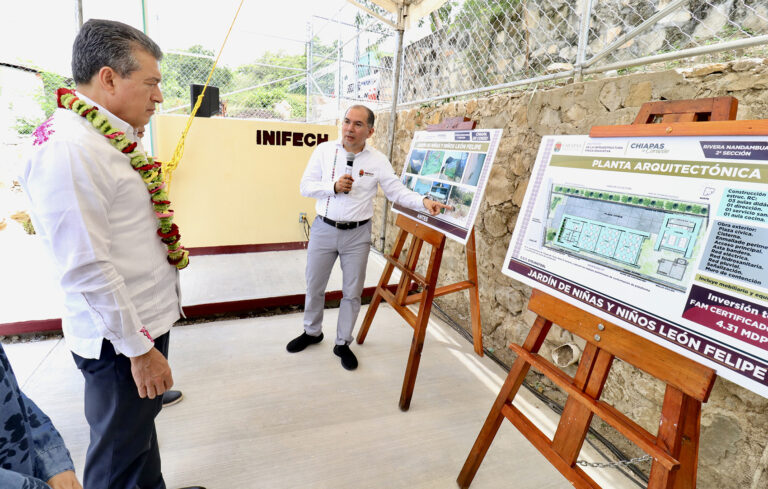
point(413, 11)
point(375, 14)
point(422, 8)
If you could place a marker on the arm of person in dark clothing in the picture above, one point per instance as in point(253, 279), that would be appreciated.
point(52, 461)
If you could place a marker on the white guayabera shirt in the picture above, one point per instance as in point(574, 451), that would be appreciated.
point(370, 169)
point(94, 215)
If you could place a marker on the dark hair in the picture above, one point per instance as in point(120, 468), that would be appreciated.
point(108, 43)
point(371, 117)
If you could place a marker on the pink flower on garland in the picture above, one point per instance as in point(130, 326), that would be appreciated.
point(43, 132)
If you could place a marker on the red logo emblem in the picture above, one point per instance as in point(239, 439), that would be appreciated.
point(362, 172)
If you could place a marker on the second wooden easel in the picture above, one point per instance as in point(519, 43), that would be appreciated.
point(400, 300)
point(675, 446)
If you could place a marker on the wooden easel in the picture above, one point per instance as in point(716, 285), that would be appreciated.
point(675, 446)
point(399, 300)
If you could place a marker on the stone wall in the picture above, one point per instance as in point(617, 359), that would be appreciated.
point(734, 450)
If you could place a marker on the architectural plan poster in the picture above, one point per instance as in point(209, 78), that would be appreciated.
point(666, 237)
point(451, 167)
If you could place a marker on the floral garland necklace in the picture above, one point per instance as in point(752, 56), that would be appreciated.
point(150, 171)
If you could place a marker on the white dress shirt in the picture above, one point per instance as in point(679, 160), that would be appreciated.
point(94, 215)
point(328, 163)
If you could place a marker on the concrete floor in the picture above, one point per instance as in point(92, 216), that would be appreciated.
point(255, 416)
point(223, 278)
point(34, 293)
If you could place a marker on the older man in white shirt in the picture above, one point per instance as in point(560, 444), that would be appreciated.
point(93, 211)
point(342, 228)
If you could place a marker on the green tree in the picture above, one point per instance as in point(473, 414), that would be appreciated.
point(249, 90)
point(46, 98)
point(274, 77)
point(499, 15)
point(261, 87)
point(257, 73)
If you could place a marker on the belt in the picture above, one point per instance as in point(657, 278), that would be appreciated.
point(343, 225)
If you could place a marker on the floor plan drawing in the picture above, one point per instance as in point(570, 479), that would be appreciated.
point(649, 237)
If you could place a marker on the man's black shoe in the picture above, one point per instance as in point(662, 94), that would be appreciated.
point(303, 341)
point(172, 397)
point(348, 359)
point(192, 487)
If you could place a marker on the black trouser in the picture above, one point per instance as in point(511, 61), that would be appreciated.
point(123, 452)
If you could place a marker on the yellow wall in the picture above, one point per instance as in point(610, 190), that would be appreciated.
point(228, 190)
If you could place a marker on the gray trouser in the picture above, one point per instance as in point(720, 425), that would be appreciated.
point(352, 247)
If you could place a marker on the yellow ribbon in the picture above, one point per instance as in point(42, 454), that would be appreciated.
point(170, 166)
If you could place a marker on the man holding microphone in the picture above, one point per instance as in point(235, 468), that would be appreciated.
point(344, 176)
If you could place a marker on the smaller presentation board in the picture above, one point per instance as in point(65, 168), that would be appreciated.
point(451, 167)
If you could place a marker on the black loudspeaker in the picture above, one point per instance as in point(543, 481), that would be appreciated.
point(210, 104)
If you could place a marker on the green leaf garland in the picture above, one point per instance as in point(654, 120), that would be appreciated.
point(150, 171)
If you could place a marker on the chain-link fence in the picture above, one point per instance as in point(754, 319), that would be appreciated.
point(259, 64)
point(351, 61)
point(464, 48)
point(467, 47)
point(494, 44)
point(258, 89)
point(345, 58)
point(341, 60)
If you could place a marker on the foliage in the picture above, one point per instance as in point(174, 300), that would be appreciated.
point(298, 105)
point(467, 12)
point(261, 97)
point(249, 90)
point(364, 19)
point(26, 126)
point(322, 57)
point(271, 85)
point(443, 15)
point(256, 74)
point(258, 103)
point(180, 71)
point(52, 82)
point(46, 98)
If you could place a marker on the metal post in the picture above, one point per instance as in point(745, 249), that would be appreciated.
point(683, 53)
point(309, 71)
point(150, 132)
point(338, 73)
point(356, 65)
point(393, 115)
point(79, 13)
point(581, 53)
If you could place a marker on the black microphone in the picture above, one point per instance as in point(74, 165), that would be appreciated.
point(350, 160)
